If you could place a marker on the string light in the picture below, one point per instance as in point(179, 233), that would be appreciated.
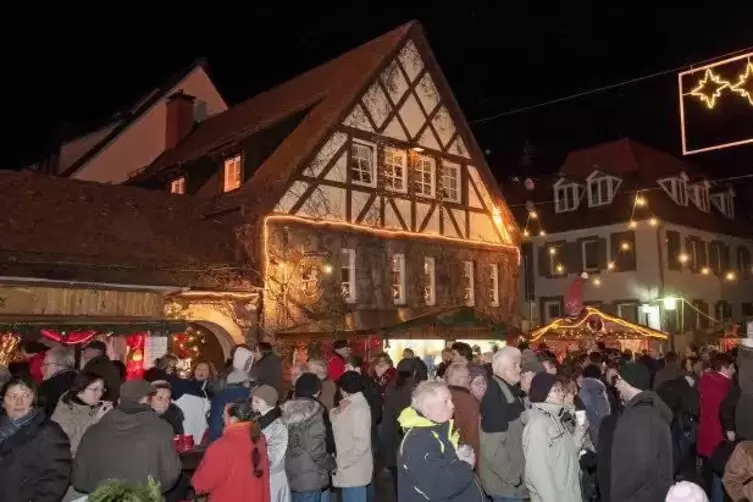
point(567, 325)
point(705, 271)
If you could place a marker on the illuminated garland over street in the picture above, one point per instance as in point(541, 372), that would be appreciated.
point(583, 326)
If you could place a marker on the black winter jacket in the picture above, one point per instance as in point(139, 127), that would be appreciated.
point(35, 463)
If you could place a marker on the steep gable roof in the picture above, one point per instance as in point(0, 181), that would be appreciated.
point(126, 117)
point(64, 228)
point(329, 92)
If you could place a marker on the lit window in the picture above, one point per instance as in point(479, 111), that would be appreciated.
point(362, 164)
point(398, 278)
point(348, 274)
point(430, 281)
point(424, 180)
point(494, 285)
point(451, 182)
point(395, 162)
point(469, 284)
point(232, 173)
point(178, 185)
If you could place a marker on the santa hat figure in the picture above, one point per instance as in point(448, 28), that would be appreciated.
point(574, 297)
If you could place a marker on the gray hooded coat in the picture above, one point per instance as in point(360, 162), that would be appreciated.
point(307, 463)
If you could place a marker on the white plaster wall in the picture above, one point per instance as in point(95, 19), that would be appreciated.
point(144, 140)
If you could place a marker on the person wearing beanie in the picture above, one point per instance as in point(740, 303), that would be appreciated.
point(685, 491)
point(236, 389)
point(552, 471)
point(641, 456)
point(530, 366)
point(309, 460)
point(351, 426)
point(268, 416)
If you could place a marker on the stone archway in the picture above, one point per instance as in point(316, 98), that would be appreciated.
point(227, 332)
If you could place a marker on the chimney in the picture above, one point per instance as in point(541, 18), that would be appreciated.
point(179, 121)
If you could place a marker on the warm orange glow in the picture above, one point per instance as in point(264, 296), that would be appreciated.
point(709, 88)
point(610, 266)
point(552, 251)
point(625, 246)
point(632, 224)
point(533, 215)
point(683, 258)
point(597, 281)
point(565, 324)
point(705, 271)
point(560, 268)
point(731, 276)
point(376, 231)
point(640, 201)
point(653, 222)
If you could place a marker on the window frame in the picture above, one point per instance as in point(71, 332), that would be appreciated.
point(355, 144)
point(421, 162)
point(389, 171)
point(430, 281)
point(448, 167)
point(398, 267)
point(235, 162)
point(469, 283)
point(180, 184)
point(348, 262)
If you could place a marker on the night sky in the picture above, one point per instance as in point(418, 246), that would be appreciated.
point(77, 67)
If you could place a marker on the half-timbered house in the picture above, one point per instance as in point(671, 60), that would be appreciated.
point(360, 192)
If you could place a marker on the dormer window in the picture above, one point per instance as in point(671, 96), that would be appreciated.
point(724, 202)
point(566, 196)
point(601, 189)
point(699, 194)
point(677, 188)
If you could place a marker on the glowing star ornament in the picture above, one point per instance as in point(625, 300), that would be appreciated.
point(744, 85)
point(709, 88)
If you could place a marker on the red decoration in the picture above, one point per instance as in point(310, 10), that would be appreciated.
point(135, 356)
point(574, 299)
point(72, 338)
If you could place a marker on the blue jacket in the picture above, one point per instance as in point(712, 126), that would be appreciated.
point(232, 392)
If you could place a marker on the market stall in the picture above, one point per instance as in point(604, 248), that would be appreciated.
point(582, 327)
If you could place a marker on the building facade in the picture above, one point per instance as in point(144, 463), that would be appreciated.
point(359, 193)
point(661, 243)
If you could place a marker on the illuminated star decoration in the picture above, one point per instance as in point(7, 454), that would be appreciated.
point(744, 85)
point(709, 88)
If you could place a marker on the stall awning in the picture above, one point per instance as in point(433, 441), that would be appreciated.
point(31, 324)
point(594, 322)
point(359, 322)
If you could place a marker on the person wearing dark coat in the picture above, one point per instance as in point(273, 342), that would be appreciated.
point(642, 468)
point(58, 374)
point(267, 368)
point(681, 396)
point(97, 362)
point(35, 454)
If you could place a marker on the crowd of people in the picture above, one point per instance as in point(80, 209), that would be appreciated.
point(513, 425)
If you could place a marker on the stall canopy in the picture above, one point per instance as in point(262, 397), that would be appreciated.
point(452, 323)
point(443, 323)
point(594, 323)
point(35, 326)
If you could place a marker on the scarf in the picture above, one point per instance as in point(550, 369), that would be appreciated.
point(496, 412)
point(264, 420)
point(9, 426)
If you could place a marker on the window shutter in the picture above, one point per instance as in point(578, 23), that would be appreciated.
point(703, 253)
point(544, 261)
point(714, 256)
point(726, 262)
point(689, 242)
point(573, 257)
point(625, 261)
point(673, 250)
point(603, 255)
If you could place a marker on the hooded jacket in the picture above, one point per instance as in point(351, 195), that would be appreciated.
point(712, 389)
point(307, 462)
point(429, 469)
point(642, 467)
point(593, 393)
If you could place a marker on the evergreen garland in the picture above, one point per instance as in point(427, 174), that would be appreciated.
point(118, 491)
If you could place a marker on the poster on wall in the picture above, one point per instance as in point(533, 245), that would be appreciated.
point(716, 105)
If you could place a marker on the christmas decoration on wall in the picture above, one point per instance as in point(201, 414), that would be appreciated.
point(716, 105)
point(187, 347)
point(8, 346)
point(68, 337)
point(135, 356)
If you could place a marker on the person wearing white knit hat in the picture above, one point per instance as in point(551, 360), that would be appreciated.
point(685, 491)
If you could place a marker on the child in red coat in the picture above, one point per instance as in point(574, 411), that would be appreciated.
point(235, 467)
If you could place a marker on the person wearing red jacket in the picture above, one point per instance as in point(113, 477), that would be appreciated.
point(33, 353)
point(235, 468)
point(336, 363)
point(712, 389)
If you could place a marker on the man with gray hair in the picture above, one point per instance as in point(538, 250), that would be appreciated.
point(502, 463)
point(432, 465)
point(58, 371)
